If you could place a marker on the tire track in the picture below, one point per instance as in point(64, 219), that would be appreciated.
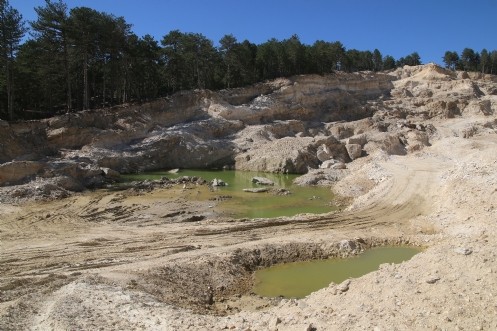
point(65, 238)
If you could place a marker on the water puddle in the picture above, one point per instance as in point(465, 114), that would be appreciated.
point(298, 279)
point(232, 201)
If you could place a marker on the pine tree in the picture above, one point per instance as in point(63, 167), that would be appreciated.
point(377, 60)
point(470, 59)
point(83, 23)
point(451, 59)
point(12, 30)
point(146, 63)
point(191, 61)
point(227, 48)
point(51, 30)
point(484, 60)
point(389, 62)
point(493, 62)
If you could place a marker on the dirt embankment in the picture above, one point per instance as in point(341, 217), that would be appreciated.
point(140, 259)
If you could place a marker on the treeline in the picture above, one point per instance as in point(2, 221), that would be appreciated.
point(469, 60)
point(84, 59)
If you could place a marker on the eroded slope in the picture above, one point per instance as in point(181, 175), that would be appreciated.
point(425, 175)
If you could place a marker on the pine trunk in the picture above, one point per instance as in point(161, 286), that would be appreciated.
point(85, 83)
point(68, 78)
point(8, 76)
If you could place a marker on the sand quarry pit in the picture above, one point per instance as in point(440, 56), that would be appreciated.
point(137, 260)
point(67, 265)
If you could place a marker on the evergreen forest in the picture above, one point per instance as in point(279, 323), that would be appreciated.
point(79, 59)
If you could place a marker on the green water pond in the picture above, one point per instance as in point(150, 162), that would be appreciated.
point(299, 279)
point(240, 204)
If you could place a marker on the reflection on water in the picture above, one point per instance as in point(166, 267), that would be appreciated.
point(298, 279)
point(316, 200)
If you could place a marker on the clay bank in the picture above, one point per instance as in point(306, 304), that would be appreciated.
point(409, 155)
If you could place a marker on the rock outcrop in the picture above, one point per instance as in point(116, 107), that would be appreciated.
point(285, 125)
point(15, 171)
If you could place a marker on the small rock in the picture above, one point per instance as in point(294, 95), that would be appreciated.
point(262, 181)
point(110, 173)
point(433, 280)
point(357, 140)
point(339, 165)
point(209, 296)
point(303, 305)
point(354, 150)
point(463, 251)
point(344, 286)
point(218, 182)
point(360, 240)
point(283, 191)
point(323, 153)
point(347, 245)
point(311, 327)
point(255, 190)
point(327, 164)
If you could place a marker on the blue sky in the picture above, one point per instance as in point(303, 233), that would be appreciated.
point(395, 27)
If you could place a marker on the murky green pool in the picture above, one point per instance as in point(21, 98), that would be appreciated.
point(298, 279)
point(316, 200)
